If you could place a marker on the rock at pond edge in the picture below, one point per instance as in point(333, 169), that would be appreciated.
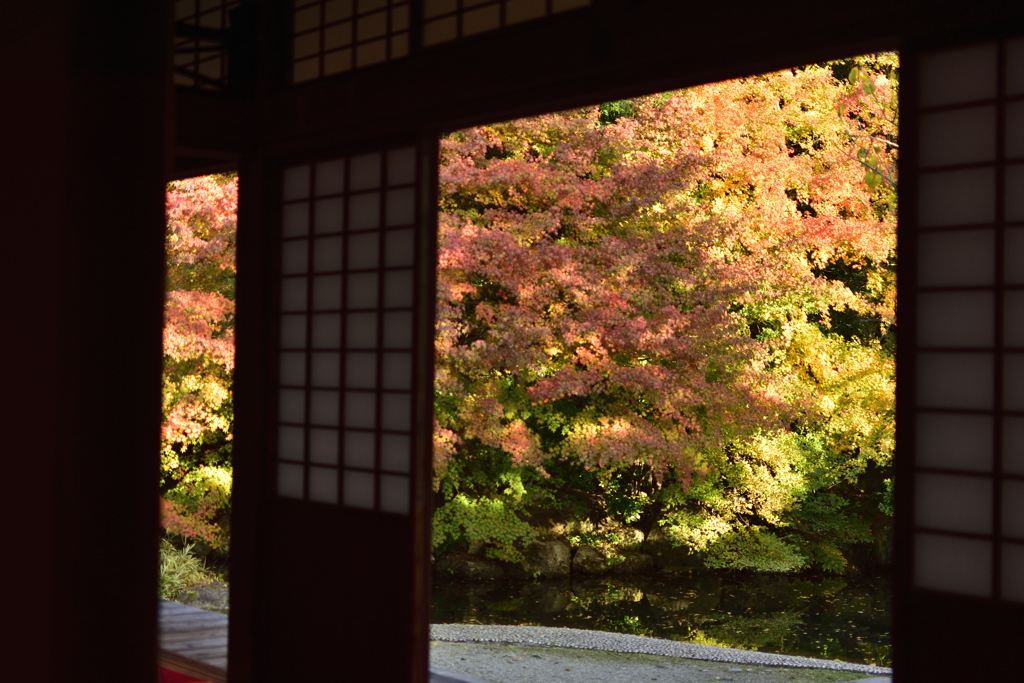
point(548, 559)
point(589, 560)
point(633, 563)
point(469, 567)
point(666, 554)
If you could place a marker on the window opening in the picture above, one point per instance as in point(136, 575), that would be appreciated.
point(671, 319)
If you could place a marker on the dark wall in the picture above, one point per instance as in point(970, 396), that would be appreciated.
point(84, 102)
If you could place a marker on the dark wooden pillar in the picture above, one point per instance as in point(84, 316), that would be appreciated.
point(82, 279)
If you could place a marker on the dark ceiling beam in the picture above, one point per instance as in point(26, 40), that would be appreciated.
point(615, 49)
point(612, 50)
point(210, 132)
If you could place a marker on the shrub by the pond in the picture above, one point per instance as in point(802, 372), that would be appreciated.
point(179, 569)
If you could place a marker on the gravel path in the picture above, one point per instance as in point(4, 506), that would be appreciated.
point(520, 654)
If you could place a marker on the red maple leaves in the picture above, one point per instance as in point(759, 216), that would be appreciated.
point(598, 281)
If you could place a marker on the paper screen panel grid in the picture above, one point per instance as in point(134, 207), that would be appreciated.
point(335, 36)
point(345, 360)
point(969, 431)
point(200, 52)
point(447, 20)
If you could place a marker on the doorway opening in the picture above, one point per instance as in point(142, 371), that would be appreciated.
point(198, 418)
point(665, 379)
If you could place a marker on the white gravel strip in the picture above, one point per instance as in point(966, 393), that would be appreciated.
point(580, 639)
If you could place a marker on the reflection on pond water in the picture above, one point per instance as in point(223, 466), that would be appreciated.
point(831, 618)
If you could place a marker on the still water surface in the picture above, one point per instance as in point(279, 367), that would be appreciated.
point(830, 618)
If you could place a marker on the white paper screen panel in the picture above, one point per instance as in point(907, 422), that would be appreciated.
point(959, 136)
point(955, 380)
point(956, 258)
point(345, 364)
point(335, 36)
point(952, 564)
point(958, 197)
point(956, 319)
point(1015, 66)
point(1012, 554)
point(968, 484)
point(947, 502)
point(955, 442)
point(331, 37)
point(1012, 570)
point(1013, 445)
point(448, 20)
point(959, 75)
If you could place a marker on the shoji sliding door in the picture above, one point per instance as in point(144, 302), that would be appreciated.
point(962, 253)
point(342, 585)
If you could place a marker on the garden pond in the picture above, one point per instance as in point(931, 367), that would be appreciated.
point(846, 619)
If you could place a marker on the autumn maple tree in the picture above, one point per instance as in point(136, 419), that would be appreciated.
point(198, 357)
point(675, 308)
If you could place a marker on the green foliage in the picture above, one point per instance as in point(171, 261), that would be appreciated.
point(888, 505)
point(610, 112)
point(598, 538)
point(873, 118)
point(464, 520)
point(626, 492)
point(755, 549)
point(179, 569)
point(630, 624)
point(194, 506)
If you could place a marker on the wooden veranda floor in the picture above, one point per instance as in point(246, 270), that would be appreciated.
point(195, 642)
